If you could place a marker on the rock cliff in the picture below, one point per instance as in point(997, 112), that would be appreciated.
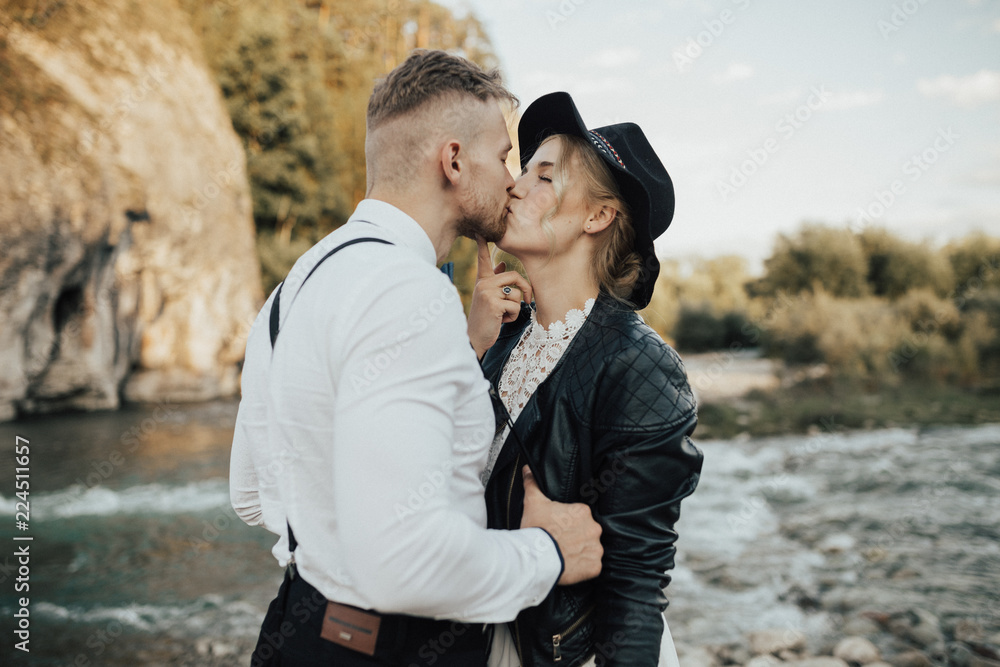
point(128, 267)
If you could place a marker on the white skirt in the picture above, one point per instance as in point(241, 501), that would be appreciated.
point(503, 653)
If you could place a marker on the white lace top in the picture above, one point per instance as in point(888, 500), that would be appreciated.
point(533, 358)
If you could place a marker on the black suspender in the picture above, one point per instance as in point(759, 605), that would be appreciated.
point(275, 317)
point(448, 269)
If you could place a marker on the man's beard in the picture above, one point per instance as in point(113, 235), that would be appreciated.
point(478, 216)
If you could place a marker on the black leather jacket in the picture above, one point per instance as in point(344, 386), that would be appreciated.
point(609, 427)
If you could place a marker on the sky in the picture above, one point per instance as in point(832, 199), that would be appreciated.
point(768, 114)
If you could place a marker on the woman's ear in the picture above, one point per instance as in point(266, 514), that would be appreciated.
point(451, 161)
point(600, 218)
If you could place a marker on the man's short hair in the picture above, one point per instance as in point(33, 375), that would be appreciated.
point(427, 75)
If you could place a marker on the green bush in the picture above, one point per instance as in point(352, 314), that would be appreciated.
point(827, 258)
point(981, 335)
point(896, 266)
point(700, 329)
point(715, 284)
point(975, 261)
point(854, 337)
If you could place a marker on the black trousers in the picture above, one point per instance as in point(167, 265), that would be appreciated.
point(290, 637)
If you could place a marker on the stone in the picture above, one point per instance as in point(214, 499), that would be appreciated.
point(819, 661)
point(764, 642)
point(837, 543)
point(695, 656)
point(764, 661)
point(844, 599)
point(734, 654)
point(910, 659)
point(857, 650)
point(968, 631)
point(917, 626)
point(221, 648)
point(860, 626)
point(203, 645)
point(128, 266)
point(959, 655)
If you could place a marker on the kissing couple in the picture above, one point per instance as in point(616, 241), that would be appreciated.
point(502, 488)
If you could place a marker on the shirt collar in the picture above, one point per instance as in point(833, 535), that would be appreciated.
point(405, 230)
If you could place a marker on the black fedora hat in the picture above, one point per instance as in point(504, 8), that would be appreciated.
point(642, 180)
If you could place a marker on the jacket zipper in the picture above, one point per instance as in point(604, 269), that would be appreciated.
point(557, 638)
point(510, 489)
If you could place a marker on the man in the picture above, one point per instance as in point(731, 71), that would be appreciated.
point(365, 429)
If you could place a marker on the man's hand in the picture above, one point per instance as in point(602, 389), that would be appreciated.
point(572, 526)
point(491, 307)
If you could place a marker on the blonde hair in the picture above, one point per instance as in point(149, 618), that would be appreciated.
point(431, 93)
point(616, 265)
point(427, 75)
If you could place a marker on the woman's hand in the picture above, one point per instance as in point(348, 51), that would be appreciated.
point(496, 300)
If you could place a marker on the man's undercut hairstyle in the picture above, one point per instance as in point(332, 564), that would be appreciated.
point(431, 96)
point(427, 75)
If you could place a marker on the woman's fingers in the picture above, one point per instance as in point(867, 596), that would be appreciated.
point(512, 309)
point(514, 279)
point(485, 268)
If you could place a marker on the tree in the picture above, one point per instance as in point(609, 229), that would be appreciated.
point(976, 262)
point(296, 76)
point(829, 257)
point(896, 266)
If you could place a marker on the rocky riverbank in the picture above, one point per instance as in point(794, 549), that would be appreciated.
point(909, 638)
point(799, 550)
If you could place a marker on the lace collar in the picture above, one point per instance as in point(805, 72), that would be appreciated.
point(560, 329)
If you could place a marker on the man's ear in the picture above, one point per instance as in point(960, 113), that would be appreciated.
point(600, 218)
point(452, 161)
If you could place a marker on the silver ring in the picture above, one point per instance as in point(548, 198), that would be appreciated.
point(507, 289)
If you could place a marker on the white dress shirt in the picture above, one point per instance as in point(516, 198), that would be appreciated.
point(368, 427)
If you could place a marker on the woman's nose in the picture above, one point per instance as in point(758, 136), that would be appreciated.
point(517, 190)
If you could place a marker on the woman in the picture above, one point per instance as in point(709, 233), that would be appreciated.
point(602, 406)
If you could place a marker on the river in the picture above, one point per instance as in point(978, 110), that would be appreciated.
point(137, 559)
